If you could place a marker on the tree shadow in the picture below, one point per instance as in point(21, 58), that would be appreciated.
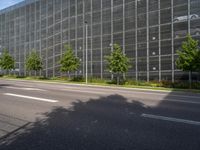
point(4, 85)
point(106, 123)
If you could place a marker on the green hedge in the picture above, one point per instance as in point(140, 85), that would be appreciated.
point(129, 83)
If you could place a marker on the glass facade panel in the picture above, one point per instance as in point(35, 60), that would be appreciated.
point(149, 32)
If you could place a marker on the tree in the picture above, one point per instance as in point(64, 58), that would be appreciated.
point(198, 61)
point(33, 62)
point(118, 63)
point(69, 62)
point(7, 62)
point(188, 57)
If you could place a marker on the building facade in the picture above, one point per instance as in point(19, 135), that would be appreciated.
point(149, 32)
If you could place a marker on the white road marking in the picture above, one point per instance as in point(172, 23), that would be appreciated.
point(26, 89)
point(171, 119)
point(175, 95)
point(33, 98)
point(137, 91)
point(131, 96)
point(181, 101)
point(167, 100)
point(161, 94)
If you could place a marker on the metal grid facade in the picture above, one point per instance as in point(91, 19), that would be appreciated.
point(149, 31)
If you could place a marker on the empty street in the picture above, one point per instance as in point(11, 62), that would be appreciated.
point(53, 116)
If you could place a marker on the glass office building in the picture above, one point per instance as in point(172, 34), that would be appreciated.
point(149, 32)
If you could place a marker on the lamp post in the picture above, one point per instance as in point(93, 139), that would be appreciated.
point(86, 52)
point(111, 46)
point(0, 55)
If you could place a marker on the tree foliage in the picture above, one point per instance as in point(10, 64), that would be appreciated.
point(197, 61)
point(33, 62)
point(69, 62)
point(188, 55)
point(6, 61)
point(118, 62)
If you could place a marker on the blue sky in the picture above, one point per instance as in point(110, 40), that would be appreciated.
point(7, 3)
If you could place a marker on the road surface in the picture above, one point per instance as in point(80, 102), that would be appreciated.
point(46, 116)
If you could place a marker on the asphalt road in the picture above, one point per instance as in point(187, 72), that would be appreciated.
point(43, 116)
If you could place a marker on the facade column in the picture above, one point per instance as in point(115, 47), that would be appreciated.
point(76, 28)
point(136, 47)
point(101, 39)
point(172, 28)
point(147, 14)
point(112, 32)
point(53, 39)
point(159, 38)
point(124, 48)
point(46, 42)
point(83, 49)
point(91, 40)
point(189, 32)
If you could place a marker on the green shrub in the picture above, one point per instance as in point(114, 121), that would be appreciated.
point(35, 78)
point(78, 79)
point(97, 80)
point(128, 82)
point(21, 77)
point(10, 76)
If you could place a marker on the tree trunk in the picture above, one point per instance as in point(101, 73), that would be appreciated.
point(124, 76)
point(117, 79)
point(190, 79)
point(69, 75)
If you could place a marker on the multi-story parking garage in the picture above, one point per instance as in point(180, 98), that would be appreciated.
point(149, 31)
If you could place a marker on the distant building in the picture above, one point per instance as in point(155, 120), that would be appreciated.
point(149, 31)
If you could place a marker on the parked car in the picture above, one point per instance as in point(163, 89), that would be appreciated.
point(182, 33)
point(184, 18)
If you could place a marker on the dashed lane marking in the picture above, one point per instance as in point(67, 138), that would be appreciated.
point(32, 98)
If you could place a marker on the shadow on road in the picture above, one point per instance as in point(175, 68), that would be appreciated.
point(107, 123)
point(4, 85)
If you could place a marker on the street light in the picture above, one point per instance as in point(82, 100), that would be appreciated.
point(0, 55)
point(0, 50)
point(111, 46)
point(86, 52)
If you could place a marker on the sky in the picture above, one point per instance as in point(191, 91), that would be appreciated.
point(7, 3)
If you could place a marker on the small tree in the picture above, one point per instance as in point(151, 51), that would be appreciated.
point(118, 63)
point(33, 62)
point(6, 61)
point(198, 61)
point(69, 62)
point(188, 56)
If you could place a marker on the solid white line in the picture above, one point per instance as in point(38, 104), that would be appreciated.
point(27, 89)
point(139, 91)
point(181, 101)
point(175, 95)
point(155, 92)
point(131, 96)
point(171, 119)
point(30, 97)
point(161, 94)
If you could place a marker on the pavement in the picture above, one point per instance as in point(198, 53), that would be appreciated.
point(45, 116)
